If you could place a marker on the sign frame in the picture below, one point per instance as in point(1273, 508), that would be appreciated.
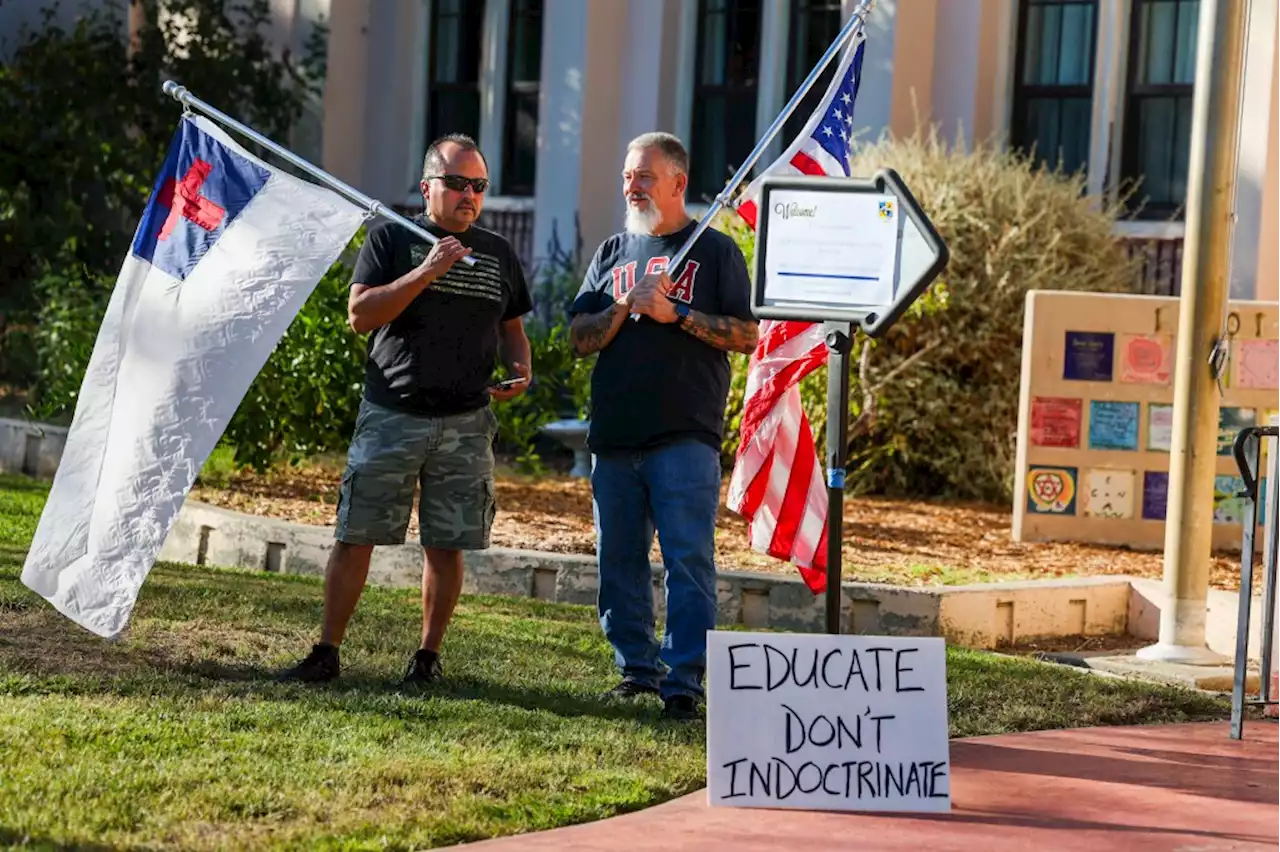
point(872, 320)
point(848, 723)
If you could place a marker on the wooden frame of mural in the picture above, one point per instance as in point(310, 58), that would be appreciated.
point(1095, 416)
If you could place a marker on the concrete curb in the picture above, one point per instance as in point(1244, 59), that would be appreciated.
point(989, 615)
point(31, 448)
point(985, 615)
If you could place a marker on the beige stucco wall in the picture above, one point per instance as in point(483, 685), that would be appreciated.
point(1268, 250)
point(918, 38)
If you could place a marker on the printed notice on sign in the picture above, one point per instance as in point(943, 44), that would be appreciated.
point(828, 722)
point(831, 248)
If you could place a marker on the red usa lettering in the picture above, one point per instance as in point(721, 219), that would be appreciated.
point(624, 277)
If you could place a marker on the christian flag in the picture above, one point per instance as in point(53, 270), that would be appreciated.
point(228, 250)
point(777, 482)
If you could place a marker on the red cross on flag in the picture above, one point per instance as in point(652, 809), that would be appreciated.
point(227, 251)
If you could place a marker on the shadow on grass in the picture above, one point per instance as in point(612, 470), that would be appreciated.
point(11, 839)
point(24, 484)
point(183, 661)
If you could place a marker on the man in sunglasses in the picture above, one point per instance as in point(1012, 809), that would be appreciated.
point(436, 326)
point(658, 394)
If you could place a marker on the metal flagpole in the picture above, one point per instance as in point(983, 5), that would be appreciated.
point(855, 23)
point(375, 207)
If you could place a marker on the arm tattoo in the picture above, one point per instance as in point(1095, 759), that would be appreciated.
point(723, 332)
point(592, 332)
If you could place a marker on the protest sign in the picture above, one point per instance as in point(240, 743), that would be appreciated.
point(829, 722)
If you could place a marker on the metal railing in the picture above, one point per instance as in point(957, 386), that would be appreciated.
point(1159, 264)
point(1248, 455)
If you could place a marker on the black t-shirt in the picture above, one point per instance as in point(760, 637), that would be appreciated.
point(655, 382)
point(438, 356)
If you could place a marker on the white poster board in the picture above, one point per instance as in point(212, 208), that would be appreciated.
point(842, 249)
point(830, 248)
point(827, 722)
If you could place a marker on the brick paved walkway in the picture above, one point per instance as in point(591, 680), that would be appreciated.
point(1176, 787)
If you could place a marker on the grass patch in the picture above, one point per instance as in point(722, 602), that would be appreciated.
point(175, 735)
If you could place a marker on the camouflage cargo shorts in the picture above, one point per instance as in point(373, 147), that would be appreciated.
point(391, 452)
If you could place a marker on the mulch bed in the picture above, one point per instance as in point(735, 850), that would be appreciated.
point(887, 541)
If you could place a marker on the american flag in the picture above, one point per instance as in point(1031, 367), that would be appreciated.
point(777, 483)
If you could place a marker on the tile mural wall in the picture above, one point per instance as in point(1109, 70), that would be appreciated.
point(1096, 416)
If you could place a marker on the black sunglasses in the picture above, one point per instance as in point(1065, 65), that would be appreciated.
point(459, 183)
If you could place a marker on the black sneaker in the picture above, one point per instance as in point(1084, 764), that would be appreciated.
point(681, 707)
point(627, 690)
point(424, 667)
point(319, 666)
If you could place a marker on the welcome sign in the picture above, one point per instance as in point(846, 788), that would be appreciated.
point(827, 722)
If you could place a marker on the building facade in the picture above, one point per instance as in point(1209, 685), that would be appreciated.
point(554, 89)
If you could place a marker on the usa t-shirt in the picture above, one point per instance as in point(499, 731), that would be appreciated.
point(437, 357)
point(656, 383)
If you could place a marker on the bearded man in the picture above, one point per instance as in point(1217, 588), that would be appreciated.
point(658, 393)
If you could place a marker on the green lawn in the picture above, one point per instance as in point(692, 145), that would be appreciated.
point(176, 736)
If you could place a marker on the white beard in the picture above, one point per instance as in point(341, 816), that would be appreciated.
point(643, 222)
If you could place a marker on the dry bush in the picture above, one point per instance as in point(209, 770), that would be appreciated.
point(934, 403)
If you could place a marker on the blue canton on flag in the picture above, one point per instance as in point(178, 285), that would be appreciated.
point(835, 131)
point(201, 189)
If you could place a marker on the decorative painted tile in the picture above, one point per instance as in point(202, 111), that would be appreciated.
point(1109, 493)
point(1227, 507)
point(1113, 425)
point(1055, 421)
point(1230, 422)
point(1159, 427)
point(1088, 356)
point(1257, 363)
point(1146, 358)
point(1155, 494)
point(1051, 490)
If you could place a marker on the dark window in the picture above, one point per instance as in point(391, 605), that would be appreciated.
point(814, 26)
point(724, 93)
point(1053, 89)
point(453, 92)
point(1157, 125)
point(524, 77)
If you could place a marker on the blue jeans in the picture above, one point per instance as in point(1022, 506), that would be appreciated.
point(675, 488)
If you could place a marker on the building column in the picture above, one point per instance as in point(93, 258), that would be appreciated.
point(368, 109)
point(493, 86)
point(1268, 269)
point(1256, 141)
point(873, 112)
point(957, 54)
point(641, 91)
point(578, 126)
point(344, 87)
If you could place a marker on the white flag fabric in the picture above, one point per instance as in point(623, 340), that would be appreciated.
point(227, 251)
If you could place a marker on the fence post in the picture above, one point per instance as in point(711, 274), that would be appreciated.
point(1248, 451)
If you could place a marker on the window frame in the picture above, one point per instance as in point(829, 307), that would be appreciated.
point(1133, 95)
point(700, 92)
point(434, 87)
point(1023, 93)
point(522, 88)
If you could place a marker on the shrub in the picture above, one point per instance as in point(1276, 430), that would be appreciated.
point(305, 399)
point(86, 127)
point(933, 408)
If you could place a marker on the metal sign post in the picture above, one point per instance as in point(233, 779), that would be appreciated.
point(854, 254)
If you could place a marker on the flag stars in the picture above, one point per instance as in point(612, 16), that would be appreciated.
point(826, 131)
point(845, 98)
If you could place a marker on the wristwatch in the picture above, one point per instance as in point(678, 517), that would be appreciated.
point(682, 314)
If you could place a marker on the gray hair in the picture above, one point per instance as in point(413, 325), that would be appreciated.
point(433, 162)
point(670, 146)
